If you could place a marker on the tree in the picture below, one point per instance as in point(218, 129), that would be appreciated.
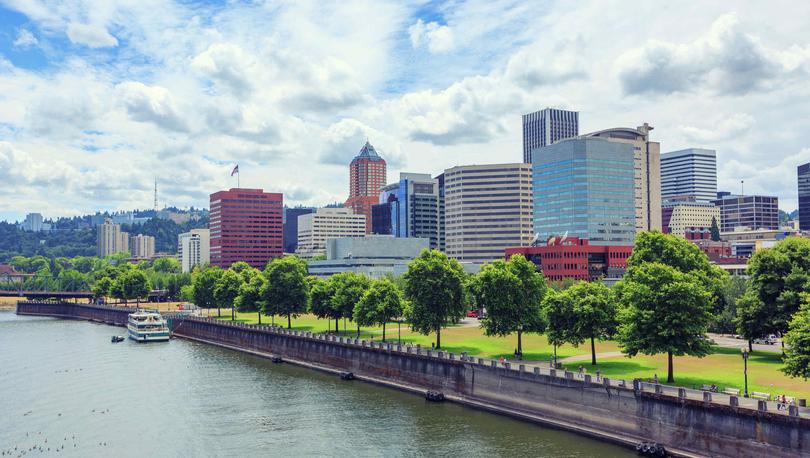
point(512, 293)
point(434, 285)
point(797, 352)
point(250, 293)
point(349, 289)
point(286, 292)
point(132, 284)
point(226, 289)
point(725, 311)
point(380, 304)
point(321, 295)
point(102, 287)
point(205, 281)
point(558, 315)
point(594, 313)
point(715, 231)
point(169, 265)
point(72, 280)
point(663, 310)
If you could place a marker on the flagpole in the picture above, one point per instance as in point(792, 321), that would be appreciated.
point(237, 179)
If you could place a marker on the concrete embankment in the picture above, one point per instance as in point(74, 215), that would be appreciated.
point(623, 414)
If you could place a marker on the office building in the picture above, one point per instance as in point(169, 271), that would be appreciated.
point(584, 187)
point(314, 229)
point(246, 225)
point(547, 126)
point(647, 157)
point(440, 221)
point(367, 176)
point(373, 255)
point(690, 220)
point(33, 223)
point(110, 239)
point(408, 208)
point(690, 173)
point(291, 226)
point(142, 246)
point(754, 212)
point(571, 257)
point(487, 209)
point(804, 197)
point(194, 249)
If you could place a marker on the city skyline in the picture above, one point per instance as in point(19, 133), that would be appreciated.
point(185, 92)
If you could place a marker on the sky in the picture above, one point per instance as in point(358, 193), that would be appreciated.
point(98, 99)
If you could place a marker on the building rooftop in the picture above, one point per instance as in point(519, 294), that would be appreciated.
point(367, 152)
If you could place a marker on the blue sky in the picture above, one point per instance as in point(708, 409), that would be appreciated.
point(97, 99)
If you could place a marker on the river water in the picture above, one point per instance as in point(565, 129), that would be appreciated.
point(66, 388)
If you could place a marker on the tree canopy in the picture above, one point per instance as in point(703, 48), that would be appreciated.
point(250, 292)
point(226, 289)
point(349, 288)
point(797, 351)
point(381, 303)
point(321, 295)
point(286, 291)
point(204, 280)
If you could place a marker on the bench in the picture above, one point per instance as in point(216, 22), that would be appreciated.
point(761, 395)
point(731, 391)
point(712, 388)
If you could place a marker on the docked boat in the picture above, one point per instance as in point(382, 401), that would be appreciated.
point(116, 339)
point(147, 326)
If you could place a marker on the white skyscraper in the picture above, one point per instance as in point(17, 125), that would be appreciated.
point(547, 126)
point(194, 248)
point(689, 174)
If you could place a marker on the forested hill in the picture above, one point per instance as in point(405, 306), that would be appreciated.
point(82, 242)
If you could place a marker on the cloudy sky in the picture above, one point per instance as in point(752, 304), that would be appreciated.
point(100, 98)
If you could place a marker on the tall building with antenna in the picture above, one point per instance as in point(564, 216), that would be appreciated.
point(367, 175)
point(156, 200)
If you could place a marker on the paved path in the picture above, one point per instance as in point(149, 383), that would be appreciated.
point(587, 356)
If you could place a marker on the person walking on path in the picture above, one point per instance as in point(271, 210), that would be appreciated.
point(655, 379)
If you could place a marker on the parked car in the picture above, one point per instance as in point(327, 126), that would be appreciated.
point(765, 341)
point(472, 314)
point(738, 336)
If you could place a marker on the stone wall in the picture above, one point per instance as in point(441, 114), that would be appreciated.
point(686, 424)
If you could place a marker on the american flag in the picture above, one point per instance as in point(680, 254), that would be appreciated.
point(235, 170)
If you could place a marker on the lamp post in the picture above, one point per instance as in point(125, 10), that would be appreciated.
point(745, 368)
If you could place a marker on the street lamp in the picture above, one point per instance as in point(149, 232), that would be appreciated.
point(745, 368)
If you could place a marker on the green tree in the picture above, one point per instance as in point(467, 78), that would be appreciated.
point(434, 285)
point(594, 313)
point(797, 352)
point(663, 310)
point(72, 280)
point(558, 315)
point(715, 230)
point(205, 281)
point(226, 289)
point(286, 290)
point(102, 287)
point(726, 310)
point(512, 293)
point(167, 264)
point(132, 284)
point(349, 289)
point(250, 293)
point(381, 303)
point(321, 295)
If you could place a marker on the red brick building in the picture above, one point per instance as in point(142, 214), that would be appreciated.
point(246, 225)
point(367, 175)
point(576, 258)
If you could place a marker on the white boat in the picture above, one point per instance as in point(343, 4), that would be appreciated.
point(147, 326)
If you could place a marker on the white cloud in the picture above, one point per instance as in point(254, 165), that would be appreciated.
point(151, 104)
point(721, 129)
point(25, 39)
point(90, 35)
point(437, 38)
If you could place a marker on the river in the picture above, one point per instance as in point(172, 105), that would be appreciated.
point(66, 388)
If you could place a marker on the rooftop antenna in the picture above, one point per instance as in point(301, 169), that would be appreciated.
point(742, 187)
point(156, 201)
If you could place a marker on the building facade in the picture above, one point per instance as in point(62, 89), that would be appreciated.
point(647, 157)
point(314, 229)
point(142, 246)
point(246, 225)
point(547, 126)
point(690, 173)
point(690, 220)
point(373, 255)
point(571, 257)
point(110, 239)
point(754, 212)
point(194, 249)
point(408, 208)
point(584, 187)
point(487, 209)
point(33, 223)
point(804, 197)
point(291, 227)
point(367, 176)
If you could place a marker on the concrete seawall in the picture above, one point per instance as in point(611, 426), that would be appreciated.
point(623, 414)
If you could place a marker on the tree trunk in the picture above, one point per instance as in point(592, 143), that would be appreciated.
point(439, 338)
point(520, 343)
point(358, 330)
point(750, 345)
point(289, 321)
point(233, 313)
point(593, 352)
point(383, 331)
point(670, 377)
point(337, 325)
point(260, 317)
point(219, 312)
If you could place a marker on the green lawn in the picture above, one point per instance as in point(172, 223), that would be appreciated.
point(724, 368)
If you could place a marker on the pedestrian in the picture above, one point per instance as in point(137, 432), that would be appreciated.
point(655, 379)
point(581, 371)
point(598, 376)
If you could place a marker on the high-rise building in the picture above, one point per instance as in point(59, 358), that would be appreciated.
point(32, 223)
point(804, 197)
point(142, 246)
point(291, 226)
point(753, 212)
point(367, 176)
point(110, 239)
point(314, 229)
point(487, 209)
point(440, 225)
point(194, 248)
point(647, 157)
point(408, 208)
point(689, 173)
point(690, 220)
point(246, 225)
point(547, 126)
point(584, 187)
